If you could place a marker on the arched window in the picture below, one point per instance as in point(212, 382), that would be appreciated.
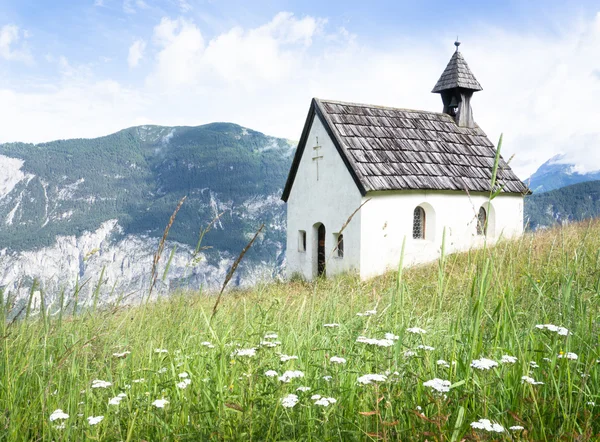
point(482, 222)
point(419, 223)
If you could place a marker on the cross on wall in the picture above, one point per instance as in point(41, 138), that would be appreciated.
point(317, 156)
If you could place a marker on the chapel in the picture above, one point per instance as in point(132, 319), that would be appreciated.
point(365, 179)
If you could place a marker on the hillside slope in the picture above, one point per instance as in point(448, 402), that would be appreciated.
point(508, 334)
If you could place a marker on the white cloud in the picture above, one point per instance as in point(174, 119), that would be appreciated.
point(12, 36)
point(238, 57)
point(136, 53)
point(539, 90)
point(99, 3)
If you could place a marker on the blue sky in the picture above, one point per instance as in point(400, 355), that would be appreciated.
point(84, 68)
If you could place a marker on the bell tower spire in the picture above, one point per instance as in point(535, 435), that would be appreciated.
point(456, 86)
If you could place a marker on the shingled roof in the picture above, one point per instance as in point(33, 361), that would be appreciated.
point(398, 149)
point(457, 74)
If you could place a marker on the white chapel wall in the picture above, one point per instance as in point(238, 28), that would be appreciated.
point(330, 200)
point(388, 218)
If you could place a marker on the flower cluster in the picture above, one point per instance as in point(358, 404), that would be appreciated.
point(370, 378)
point(291, 374)
point(416, 330)
point(439, 385)
point(323, 401)
point(487, 425)
point(506, 359)
point(562, 331)
point(484, 364)
point(289, 401)
point(376, 342)
point(248, 352)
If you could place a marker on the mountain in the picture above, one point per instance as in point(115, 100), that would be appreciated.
point(556, 173)
point(571, 203)
point(73, 210)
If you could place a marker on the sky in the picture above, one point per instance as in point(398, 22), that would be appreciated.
point(87, 68)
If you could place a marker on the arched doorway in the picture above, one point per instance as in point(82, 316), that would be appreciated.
point(321, 251)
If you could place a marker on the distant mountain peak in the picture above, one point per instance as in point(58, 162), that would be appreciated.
point(557, 172)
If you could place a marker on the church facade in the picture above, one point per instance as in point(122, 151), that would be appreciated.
point(365, 179)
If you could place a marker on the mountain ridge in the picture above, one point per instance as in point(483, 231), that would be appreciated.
point(122, 189)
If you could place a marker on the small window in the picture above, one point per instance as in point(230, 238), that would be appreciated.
point(302, 240)
point(482, 222)
point(340, 246)
point(419, 223)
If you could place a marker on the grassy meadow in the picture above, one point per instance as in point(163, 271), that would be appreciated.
point(165, 371)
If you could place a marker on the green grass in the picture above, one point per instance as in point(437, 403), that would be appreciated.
point(485, 303)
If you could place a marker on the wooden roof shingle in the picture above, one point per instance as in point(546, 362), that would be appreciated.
point(397, 149)
point(457, 74)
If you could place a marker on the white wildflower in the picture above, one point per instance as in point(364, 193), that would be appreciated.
point(367, 313)
point(271, 373)
point(137, 381)
point(121, 355)
point(303, 389)
point(115, 401)
point(207, 344)
point(591, 403)
point(183, 375)
point(530, 380)
point(183, 384)
point(269, 344)
point(325, 401)
point(314, 397)
point(419, 408)
point(271, 336)
point(506, 359)
point(370, 378)
point(58, 414)
point(285, 358)
point(160, 403)
point(562, 331)
point(484, 364)
point(409, 354)
point(327, 378)
point(162, 370)
point(438, 385)
point(244, 352)
point(377, 342)
point(291, 374)
point(442, 363)
point(487, 425)
point(60, 426)
point(534, 364)
point(391, 337)
point(516, 428)
point(416, 331)
point(97, 383)
point(332, 325)
point(93, 420)
point(337, 360)
point(289, 401)
point(161, 350)
point(425, 347)
point(568, 355)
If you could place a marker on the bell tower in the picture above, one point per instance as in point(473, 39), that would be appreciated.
point(456, 86)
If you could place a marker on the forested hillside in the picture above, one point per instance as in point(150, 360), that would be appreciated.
point(567, 204)
point(125, 186)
